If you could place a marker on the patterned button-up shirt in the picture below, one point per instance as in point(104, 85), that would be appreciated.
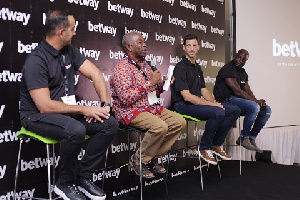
point(130, 90)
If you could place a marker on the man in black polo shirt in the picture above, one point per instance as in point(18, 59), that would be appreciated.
point(232, 87)
point(191, 97)
point(48, 107)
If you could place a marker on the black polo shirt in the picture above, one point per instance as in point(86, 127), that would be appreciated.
point(188, 76)
point(43, 69)
point(221, 91)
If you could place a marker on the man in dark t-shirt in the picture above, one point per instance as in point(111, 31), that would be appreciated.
point(232, 87)
point(48, 107)
point(191, 97)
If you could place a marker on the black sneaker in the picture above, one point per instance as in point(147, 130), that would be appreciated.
point(90, 189)
point(68, 192)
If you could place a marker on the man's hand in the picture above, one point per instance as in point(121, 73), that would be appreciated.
point(218, 105)
point(262, 103)
point(155, 77)
point(96, 113)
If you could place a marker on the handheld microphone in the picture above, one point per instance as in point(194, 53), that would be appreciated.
point(153, 64)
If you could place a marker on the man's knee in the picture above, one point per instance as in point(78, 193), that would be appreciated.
point(76, 133)
point(161, 128)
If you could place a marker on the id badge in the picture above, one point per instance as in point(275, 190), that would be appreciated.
point(152, 98)
point(70, 100)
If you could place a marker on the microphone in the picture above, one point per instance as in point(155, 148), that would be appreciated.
point(153, 64)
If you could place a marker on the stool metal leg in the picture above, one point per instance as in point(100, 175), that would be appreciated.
point(198, 148)
point(240, 146)
point(105, 168)
point(49, 171)
point(17, 169)
point(141, 176)
point(53, 168)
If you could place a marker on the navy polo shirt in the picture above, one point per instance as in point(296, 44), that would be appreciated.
point(43, 69)
point(221, 91)
point(188, 76)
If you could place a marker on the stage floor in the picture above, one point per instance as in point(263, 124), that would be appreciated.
point(259, 181)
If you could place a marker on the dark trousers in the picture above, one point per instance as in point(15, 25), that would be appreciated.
point(71, 131)
point(218, 121)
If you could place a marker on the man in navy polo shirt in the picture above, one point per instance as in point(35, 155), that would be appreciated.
point(191, 97)
point(48, 107)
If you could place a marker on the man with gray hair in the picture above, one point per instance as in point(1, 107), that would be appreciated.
point(135, 87)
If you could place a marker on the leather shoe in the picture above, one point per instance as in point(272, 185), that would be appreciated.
point(91, 190)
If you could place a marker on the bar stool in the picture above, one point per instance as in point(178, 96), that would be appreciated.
point(25, 134)
point(130, 129)
point(196, 120)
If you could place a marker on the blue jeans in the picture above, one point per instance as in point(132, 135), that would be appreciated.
point(255, 118)
point(218, 121)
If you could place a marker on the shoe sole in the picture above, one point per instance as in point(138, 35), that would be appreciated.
point(208, 161)
point(223, 157)
point(90, 195)
point(60, 193)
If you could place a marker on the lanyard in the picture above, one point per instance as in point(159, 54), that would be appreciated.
point(137, 66)
point(63, 69)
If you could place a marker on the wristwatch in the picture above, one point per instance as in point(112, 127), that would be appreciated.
point(103, 104)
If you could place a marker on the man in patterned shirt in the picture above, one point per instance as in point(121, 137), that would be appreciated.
point(134, 86)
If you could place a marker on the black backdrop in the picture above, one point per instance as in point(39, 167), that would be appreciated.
point(100, 26)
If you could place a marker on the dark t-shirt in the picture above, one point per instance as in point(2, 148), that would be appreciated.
point(43, 69)
point(188, 76)
point(221, 91)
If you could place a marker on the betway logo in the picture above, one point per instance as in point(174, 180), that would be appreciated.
point(144, 34)
point(208, 45)
point(154, 181)
point(198, 26)
point(206, 10)
point(44, 21)
point(116, 55)
point(176, 21)
point(38, 163)
point(90, 53)
point(6, 76)
point(120, 9)
point(109, 174)
point(125, 191)
point(2, 171)
point(217, 63)
point(88, 103)
point(10, 195)
point(159, 59)
point(1, 45)
point(182, 136)
point(286, 50)
point(151, 15)
point(174, 60)
point(26, 47)
point(216, 30)
point(102, 29)
point(164, 38)
point(123, 147)
point(188, 5)
point(208, 79)
point(165, 158)
point(202, 62)
point(179, 173)
point(7, 14)
point(2, 110)
point(8, 136)
point(169, 1)
point(91, 3)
